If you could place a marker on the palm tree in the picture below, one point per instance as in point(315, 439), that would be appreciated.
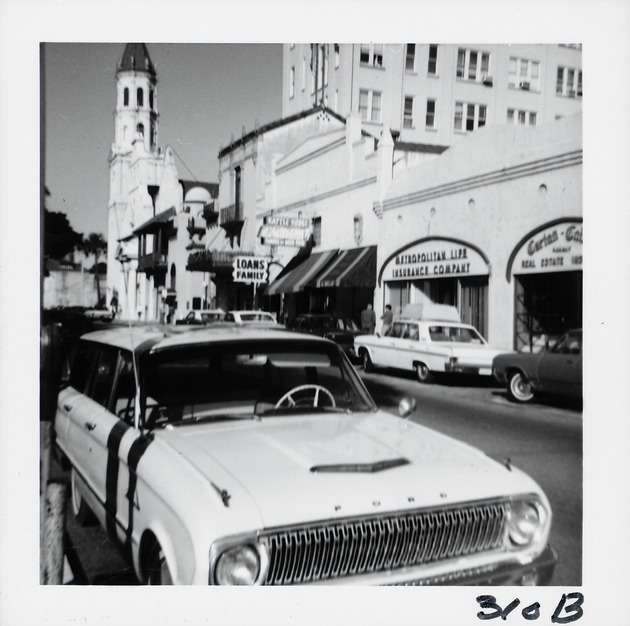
point(96, 245)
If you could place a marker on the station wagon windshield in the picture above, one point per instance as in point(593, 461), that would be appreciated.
point(246, 379)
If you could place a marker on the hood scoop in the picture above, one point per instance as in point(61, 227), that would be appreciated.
point(370, 468)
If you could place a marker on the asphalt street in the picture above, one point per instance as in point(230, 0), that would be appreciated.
point(543, 439)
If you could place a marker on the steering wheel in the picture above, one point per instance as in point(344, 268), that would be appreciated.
point(316, 388)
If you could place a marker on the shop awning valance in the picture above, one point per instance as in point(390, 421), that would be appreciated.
point(302, 275)
point(352, 268)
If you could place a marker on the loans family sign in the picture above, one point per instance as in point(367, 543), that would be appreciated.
point(556, 248)
point(435, 258)
point(250, 269)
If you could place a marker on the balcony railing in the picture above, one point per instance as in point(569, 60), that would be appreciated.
point(152, 262)
point(232, 213)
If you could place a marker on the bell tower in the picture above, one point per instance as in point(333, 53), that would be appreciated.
point(134, 166)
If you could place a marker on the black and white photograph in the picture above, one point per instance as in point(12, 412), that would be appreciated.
point(312, 316)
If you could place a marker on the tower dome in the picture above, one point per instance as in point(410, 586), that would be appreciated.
point(136, 59)
point(198, 194)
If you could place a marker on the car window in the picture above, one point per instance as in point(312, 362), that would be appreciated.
point(455, 334)
point(123, 404)
point(414, 332)
point(82, 365)
point(397, 329)
point(100, 387)
point(571, 343)
point(240, 379)
point(191, 316)
point(229, 317)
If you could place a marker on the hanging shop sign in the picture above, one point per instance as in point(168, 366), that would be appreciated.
point(555, 247)
point(435, 258)
point(250, 269)
point(284, 231)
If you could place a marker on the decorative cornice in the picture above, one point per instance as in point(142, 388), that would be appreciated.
point(491, 178)
point(322, 196)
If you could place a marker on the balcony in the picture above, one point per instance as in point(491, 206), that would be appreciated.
point(232, 213)
point(152, 262)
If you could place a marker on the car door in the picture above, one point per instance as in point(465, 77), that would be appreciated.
point(392, 346)
point(560, 369)
point(90, 422)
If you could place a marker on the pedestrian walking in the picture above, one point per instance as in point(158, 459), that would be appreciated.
point(368, 320)
point(388, 318)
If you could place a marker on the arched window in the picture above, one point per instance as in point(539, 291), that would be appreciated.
point(126, 97)
point(140, 97)
point(173, 277)
point(140, 129)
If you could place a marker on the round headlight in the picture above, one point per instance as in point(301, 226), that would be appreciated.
point(523, 524)
point(238, 565)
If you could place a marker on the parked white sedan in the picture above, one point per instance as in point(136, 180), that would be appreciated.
point(257, 457)
point(428, 347)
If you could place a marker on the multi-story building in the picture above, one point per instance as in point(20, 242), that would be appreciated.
point(434, 93)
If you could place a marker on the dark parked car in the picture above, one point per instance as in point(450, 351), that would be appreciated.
point(555, 371)
point(341, 330)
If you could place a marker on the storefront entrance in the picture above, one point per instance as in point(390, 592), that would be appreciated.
point(547, 305)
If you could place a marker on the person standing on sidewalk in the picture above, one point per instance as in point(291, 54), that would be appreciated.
point(368, 320)
point(388, 318)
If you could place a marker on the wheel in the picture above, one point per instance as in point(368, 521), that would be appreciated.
point(519, 388)
point(423, 373)
point(80, 509)
point(288, 396)
point(158, 572)
point(368, 366)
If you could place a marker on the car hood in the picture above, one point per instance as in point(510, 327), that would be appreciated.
point(300, 468)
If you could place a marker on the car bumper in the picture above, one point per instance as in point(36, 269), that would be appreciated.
point(462, 368)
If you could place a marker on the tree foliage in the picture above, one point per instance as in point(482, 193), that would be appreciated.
point(59, 237)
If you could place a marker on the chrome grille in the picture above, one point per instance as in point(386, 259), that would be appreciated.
point(352, 547)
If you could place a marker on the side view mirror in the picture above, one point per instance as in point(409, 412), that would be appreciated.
point(406, 407)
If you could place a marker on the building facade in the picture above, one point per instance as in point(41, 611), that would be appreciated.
point(499, 237)
point(434, 93)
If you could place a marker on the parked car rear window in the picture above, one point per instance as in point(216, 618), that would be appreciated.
point(454, 334)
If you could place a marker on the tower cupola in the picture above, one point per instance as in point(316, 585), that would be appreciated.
point(136, 117)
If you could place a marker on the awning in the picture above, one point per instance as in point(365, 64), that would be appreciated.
point(352, 268)
point(299, 277)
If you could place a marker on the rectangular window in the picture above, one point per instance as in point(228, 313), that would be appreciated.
point(370, 105)
point(524, 74)
point(433, 52)
point(365, 53)
point(317, 231)
point(516, 116)
point(303, 73)
point(336, 55)
point(410, 60)
point(372, 54)
point(473, 65)
point(376, 106)
point(430, 120)
point(408, 114)
point(378, 55)
point(569, 82)
point(292, 83)
point(475, 116)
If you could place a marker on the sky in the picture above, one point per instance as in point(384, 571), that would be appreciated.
point(206, 94)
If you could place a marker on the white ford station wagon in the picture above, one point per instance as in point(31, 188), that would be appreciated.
point(245, 456)
point(428, 339)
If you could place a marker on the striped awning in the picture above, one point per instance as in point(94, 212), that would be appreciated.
point(352, 268)
point(302, 275)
